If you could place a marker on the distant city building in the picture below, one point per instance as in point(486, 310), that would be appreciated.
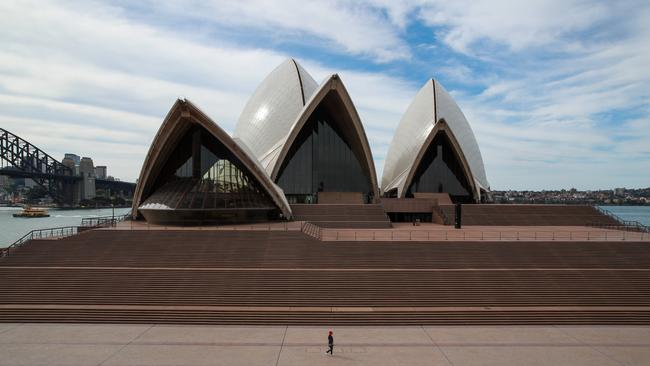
point(23, 182)
point(4, 181)
point(618, 196)
point(85, 168)
point(69, 162)
point(100, 172)
point(76, 160)
point(29, 183)
point(74, 157)
point(87, 172)
point(5, 191)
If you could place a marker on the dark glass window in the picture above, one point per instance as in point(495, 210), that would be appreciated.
point(440, 171)
point(410, 216)
point(322, 159)
point(201, 173)
point(391, 193)
point(185, 170)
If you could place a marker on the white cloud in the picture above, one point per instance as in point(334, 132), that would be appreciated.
point(561, 80)
point(345, 27)
point(517, 24)
point(97, 78)
point(105, 82)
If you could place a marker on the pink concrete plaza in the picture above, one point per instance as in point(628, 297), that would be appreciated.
point(92, 344)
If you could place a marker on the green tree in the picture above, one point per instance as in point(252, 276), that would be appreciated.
point(36, 193)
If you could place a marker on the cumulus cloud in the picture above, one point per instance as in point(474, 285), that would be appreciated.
point(105, 81)
point(516, 24)
point(558, 82)
point(556, 91)
point(359, 28)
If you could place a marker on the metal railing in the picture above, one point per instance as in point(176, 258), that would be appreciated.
point(275, 226)
point(469, 235)
point(633, 226)
point(312, 230)
point(51, 233)
point(442, 215)
point(103, 221)
point(626, 225)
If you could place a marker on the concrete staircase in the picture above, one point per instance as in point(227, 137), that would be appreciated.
point(221, 277)
point(369, 216)
point(528, 215)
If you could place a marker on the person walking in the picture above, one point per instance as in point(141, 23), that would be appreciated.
point(330, 343)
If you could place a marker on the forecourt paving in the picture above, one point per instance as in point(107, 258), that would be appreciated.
point(111, 344)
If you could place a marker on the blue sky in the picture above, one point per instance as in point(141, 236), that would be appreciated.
point(557, 91)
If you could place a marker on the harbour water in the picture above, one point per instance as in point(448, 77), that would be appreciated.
point(13, 228)
point(631, 213)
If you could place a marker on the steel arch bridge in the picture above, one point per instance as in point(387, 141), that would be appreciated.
point(25, 160)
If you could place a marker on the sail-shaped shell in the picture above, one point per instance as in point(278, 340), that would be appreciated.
point(271, 111)
point(431, 111)
point(333, 92)
point(182, 117)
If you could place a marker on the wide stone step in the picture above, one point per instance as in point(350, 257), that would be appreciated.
point(212, 277)
point(349, 317)
point(370, 216)
point(528, 215)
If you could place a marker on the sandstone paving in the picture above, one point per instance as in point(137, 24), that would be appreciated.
point(72, 333)
point(52, 354)
point(526, 355)
point(163, 355)
point(609, 334)
point(114, 344)
point(205, 335)
point(625, 355)
point(499, 335)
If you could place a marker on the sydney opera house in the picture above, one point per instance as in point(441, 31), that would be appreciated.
point(285, 222)
point(301, 142)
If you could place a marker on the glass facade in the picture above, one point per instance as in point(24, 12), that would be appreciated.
point(441, 171)
point(322, 159)
point(203, 175)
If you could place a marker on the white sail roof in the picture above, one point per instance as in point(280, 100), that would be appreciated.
point(431, 105)
point(269, 115)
